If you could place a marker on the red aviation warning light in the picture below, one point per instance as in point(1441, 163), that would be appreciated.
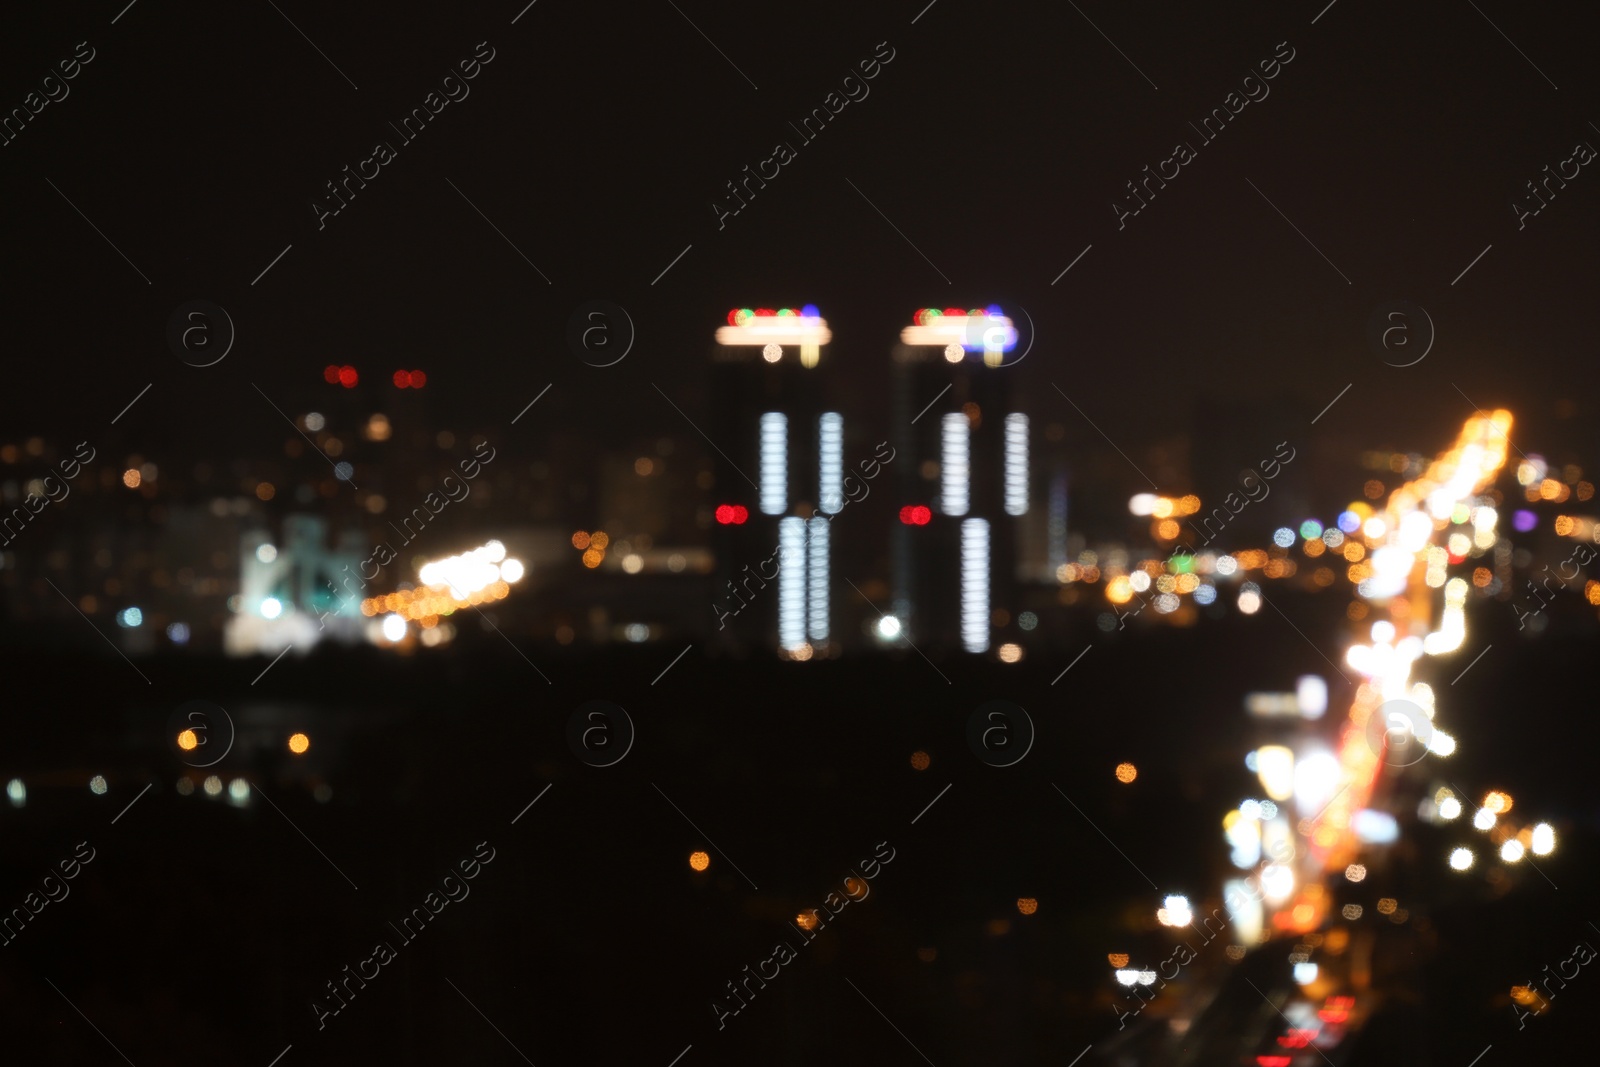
point(732, 514)
point(915, 515)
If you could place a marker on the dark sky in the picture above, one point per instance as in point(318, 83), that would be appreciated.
point(597, 139)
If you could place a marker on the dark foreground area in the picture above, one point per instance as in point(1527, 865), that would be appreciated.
point(448, 857)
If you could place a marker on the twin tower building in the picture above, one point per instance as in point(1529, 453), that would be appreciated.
point(945, 463)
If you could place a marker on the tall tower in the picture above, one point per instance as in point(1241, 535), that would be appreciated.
point(773, 516)
point(955, 547)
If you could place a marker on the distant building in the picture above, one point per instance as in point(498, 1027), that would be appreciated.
point(963, 471)
point(774, 537)
point(295, 593)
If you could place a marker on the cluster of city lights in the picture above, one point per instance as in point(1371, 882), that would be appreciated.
point(478, 577)
point(1314, 818)
point(770, 329)
point(957, 332)
point(346, 375)
point(932, 316)
point(1375, 549)
point(1511, 844)
point(592, 545)
point(742, 316)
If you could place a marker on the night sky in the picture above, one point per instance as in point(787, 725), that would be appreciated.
point(600, 135)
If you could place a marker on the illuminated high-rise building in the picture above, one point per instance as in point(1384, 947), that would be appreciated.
point(964, 476)
point(780, 481)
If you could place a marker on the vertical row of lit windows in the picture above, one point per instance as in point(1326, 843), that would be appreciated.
point(830, 460)
point(774, 463)
point(817, 580)
point(955, 463)
point(975, 585)
point(1016, 476)
point(791, 582)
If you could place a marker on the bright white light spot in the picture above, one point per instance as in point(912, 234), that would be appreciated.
point(953, 353)
point(1305, 973)
point(239, 789)
point(1249, 601)
point(131, 618)
point(771, 352)
point(271, 608)
point(1441, 743)
point(1461, 859)
point(1283, 537)
point(1375, 528)
point(1375, 827)
point(16, 791)
point(1139, 580)
point(97, 785)
point(1142, 504)
point(1226, 565)
point(1176, 913)
point(1250, 809)
point(1275, 767)
point(1512, 851)
point(1449, 808)
point(394, 627)
point(1277, 883)
point(888, 627)
point(1126, 977)
point(493, 551)
point(637, 632)
point(1383, 632)
point(1311, 694)
point(633, 563)
point(213, 786)
point(267, 553)
point(315, 422)
point(1355, 872)
point(1316, 778)
point(178, 633)
point(512, 570)
point(1483, 819)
